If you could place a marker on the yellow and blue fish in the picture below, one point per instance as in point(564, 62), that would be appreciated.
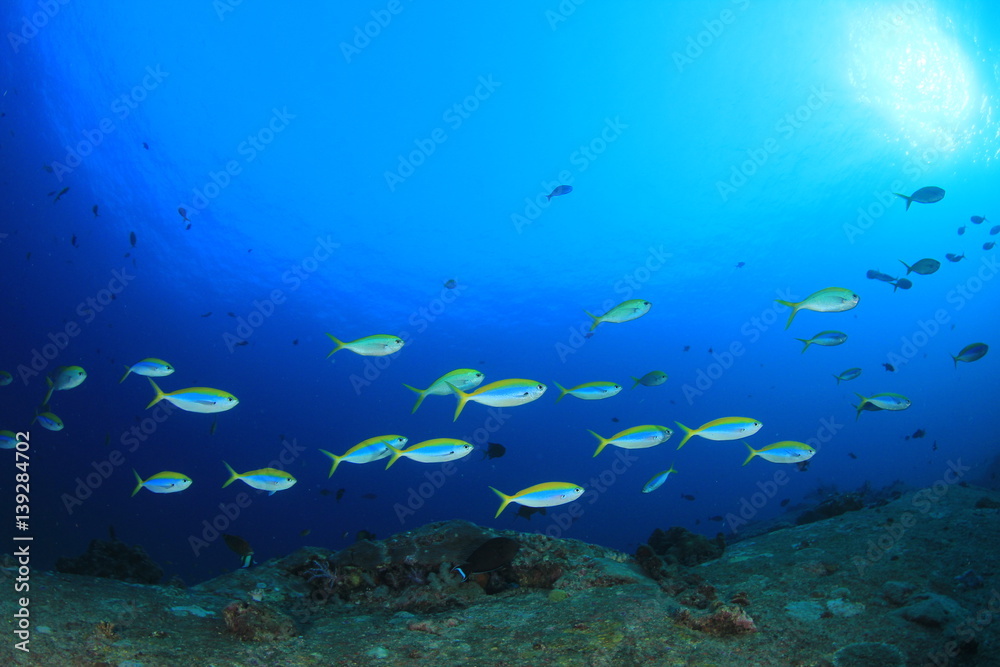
point(63, 378)
point(626, 311)
point(590, 391)
point(265, 479)
point(971, 353)
point(379, 345)
point(151, 367)
point(196, 399)
point(5, 378)
point(883, 401)
point(849, 374)
point(500, 394)
point(367, 451)
point(828, 300)
point(724, 428)
point(825, 338)
point(8, 440)
point(637, 437)
point(463, 378)
point(786, 451)
point(657, 480)
point(162, 482)
point(650, 379)
point(50, 421)
point(436, 450)
point(549, 494)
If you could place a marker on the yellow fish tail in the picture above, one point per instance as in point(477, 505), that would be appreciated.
point(336, 462)
point(793, 306)
point(233, 475)
point(562, 391)
point(954, 359)
point(340, 344)
point(860, 406)
point(807, 344)
point(52, 387)
point(753, 452)
point(396, 453)
point(138, 482)
point(597, 320)
point(637, 381)
point(128, 369)
point(504, 501)
point(687, 434)
point(421, 394)
point(602, 442)
point(463, 398)
point(159, 394)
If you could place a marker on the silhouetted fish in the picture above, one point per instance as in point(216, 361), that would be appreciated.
point(489, 556)
point(131, 238)
point(494, 450)
point(241, 547)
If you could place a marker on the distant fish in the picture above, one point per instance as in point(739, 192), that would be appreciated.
point(240, 546)
point(724, 428)
point(687, 348)
point(971, 353)
point(927, 195)
point(961, 230)
point(145, 145)
point(687, 496)
point(494, 450)
point(8, 440)
point(919, 433)
point(657, 480)
point(208, 314)
point(877, 275)
point(131, 238)
point(378, 345)
point(265, 479)
point(995, 230)
point(184, 214)
point(924, 267)
point(72, 241)
point(162, 482)
point(623, 312)
point(650, 379)
point(989, 245)
point(889, 367)
point(828, 300)
point(590, 391)
point(954, 258)
point(852, 455)
point(340, 494)
point(978, 219)
point(59, 196)
point(304, 532)
point(784, 503)
point(491, 555)
point(559, 191)
point(849, 374)
point(94, 209)
point(231, 314)
point(825, 338)
point(5, 378)
point(548, 494)
point(451, 284)
point(740, 265)
point(901, 283)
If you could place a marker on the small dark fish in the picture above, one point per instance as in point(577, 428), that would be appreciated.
point(784, 503)
point(802, 466)
point(73, 242)
point(340, 494)
point(687, 347)
point(926, 195)
point(145, 145)
point(978, 219)
point(28, 256)
point(919, 433)
point(878, 275)
point(295, 342)
point(241, 343)
point(901, 283)
point(131, 238)
point(615, 419)
point(184, 214)
point(494, 450)
point(241, 547)
point(687, 496)
point(50, 193)
point(231, 314)
point(924, 267)
point(995, 230)
point(954, 258)
point(187, 226)
point(59, 196)
point(364, 535)
point(717, 517)
point(525, 512)
point(852, 455)
point(95, 211)
point(961, 230)
point(934, 446)
point(325, 492)
point(489, 556)
point(207, 314)
point(451, 284)
point(369, 496)
point(304, 532)
point(560, 190)
point(740, 265)
point(711, 351)
point(988, 245)
point(589, 334)
point(47, 168)
point(211, 429)
point(889, 367)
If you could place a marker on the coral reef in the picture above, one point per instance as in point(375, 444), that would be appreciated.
point(258, 622)
point(725, 621)
point(869, 654)
point(113, 560)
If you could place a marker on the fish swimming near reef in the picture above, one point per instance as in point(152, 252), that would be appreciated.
point(489, 556)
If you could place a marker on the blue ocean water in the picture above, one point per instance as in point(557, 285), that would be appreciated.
point(340, 164)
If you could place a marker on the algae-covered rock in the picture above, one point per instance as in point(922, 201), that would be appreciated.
point(113, 560)
point(258, 622)
point(869, 654)
point(932, 611)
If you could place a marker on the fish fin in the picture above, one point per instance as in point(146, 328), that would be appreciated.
point(687, 434)
point(128, 369)
point(336, 462)
point(340, 344)
point(807, 342)
point(838, 379)
point(955, 360)
point(233, 475)
point(505, 500)
point(138, 482)
point(396, 453)
point(909, 200)
point(461, 571)
point(637, 381)
point(671, 469)
point(463, 398)
point(793, 306)
point(753, 452)
point(421, 393)
point(908, 269)
point(602, 443)
point(271, 493)
point(562, 391)
point(159, 394)
point(597, 320)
